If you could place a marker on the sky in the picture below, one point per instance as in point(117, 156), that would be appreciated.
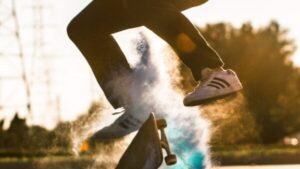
point(258, 12)
point(72, 86)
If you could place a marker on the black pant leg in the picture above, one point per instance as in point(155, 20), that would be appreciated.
point(91, 32)
point(167, 21)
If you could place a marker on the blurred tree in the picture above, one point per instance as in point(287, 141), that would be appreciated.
point(21, 140)
point(261, 58)
point(232, 123)
point(15, 137)
point(1, 125)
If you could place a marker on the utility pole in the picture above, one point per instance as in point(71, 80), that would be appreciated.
point(41, 56)
point(11, 36)
point(22, 58)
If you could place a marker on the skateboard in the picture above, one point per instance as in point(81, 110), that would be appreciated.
point(146, 149)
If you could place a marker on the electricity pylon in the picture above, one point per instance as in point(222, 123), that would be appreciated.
point(11, 47)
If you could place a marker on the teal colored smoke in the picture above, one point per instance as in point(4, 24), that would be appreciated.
point(183, 140)
point(188, 154)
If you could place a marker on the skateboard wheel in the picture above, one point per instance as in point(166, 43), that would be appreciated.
point(161, 123)
point(170, 159)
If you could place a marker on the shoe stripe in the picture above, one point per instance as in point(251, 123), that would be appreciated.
point(124, 125)
point(130, 122)
point(127, 123)
point(215, 86)
point(218, 84)
point(223, 81)
point(135, 119)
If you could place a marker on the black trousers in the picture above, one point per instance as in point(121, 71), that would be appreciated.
point(91, 31)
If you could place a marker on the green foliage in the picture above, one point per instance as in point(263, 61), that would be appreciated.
point(261, 58)
point(21, 140)
point(232, 123)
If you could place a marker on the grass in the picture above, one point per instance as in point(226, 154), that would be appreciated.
point(45, 159)
point(224, 155)
point(255, 154)
point(20, 153)
point(254, 150)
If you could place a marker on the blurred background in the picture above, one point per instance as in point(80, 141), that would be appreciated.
point(46, 86)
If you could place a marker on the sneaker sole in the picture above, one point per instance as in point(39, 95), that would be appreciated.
point(210, 100)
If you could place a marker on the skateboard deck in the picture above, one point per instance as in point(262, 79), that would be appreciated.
point(145, 151)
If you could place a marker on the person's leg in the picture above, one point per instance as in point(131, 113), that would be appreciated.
point(166, 20)
point(171, 25)
point(91, 31)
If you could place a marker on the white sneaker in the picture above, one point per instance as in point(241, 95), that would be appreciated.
point(127, 123)
point(216, 84)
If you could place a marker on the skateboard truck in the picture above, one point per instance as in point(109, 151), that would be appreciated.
point(170, 159)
